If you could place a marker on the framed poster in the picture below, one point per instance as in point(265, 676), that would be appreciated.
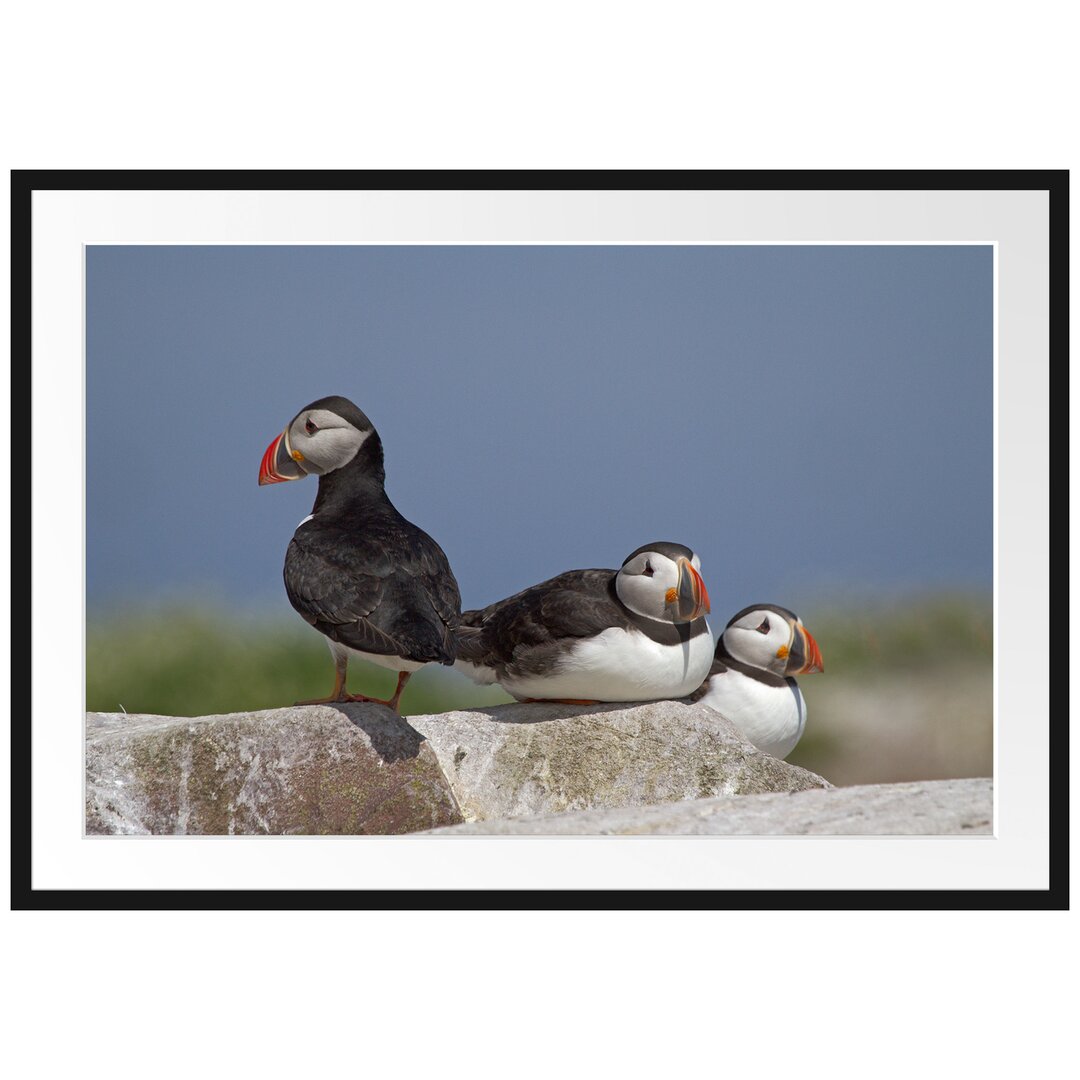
point(838, 382)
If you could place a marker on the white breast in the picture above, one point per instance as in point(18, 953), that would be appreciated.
point(621, 665)
point(771, 717)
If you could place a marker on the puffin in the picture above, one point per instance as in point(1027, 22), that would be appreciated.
point(372, 583)
point(587, 636)
point(752, 678)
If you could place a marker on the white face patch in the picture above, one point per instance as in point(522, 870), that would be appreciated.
point(324, 441)
point(758, 637)
point(644, 582)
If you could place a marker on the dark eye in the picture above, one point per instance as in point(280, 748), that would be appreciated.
point(648, 571)
point(309, 427)
point(764, 627)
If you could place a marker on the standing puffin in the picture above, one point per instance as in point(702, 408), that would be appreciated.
point(372, 582)
point(587, 636)
point(751, 681)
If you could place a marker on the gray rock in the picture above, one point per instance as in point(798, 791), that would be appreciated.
point(361, 769)
point(526, 759)
point(935, 807)
point(312, 770)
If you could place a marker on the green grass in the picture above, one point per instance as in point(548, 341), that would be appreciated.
point(195, 661)
point(936, 631)
point(178, 662)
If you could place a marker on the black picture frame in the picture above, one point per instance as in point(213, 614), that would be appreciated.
point(24, 183)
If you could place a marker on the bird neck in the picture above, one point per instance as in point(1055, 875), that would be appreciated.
point(363, 476)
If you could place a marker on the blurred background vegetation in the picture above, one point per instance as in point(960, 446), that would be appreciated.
point(907, 692)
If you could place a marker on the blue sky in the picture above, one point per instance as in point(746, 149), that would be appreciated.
point(814, 421)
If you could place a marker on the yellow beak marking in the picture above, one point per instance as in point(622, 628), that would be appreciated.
point(297, 456)
point(782, 652)
point(671, 595)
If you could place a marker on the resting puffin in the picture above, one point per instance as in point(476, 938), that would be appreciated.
point(372, 582)
point(587, 636)
point(751, 681)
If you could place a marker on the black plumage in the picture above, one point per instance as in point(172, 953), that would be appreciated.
point(368, 579)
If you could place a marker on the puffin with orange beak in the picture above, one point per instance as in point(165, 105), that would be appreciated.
point(636, 634)
point(752, 679)
point(372, 583)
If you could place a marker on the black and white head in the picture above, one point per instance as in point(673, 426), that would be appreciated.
point(323, 437)
point(771, 638)
point(663, 581)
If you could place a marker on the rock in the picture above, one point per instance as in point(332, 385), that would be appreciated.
point(526, 759)
point(935, 807)
point(361, 769)
point(312, 770)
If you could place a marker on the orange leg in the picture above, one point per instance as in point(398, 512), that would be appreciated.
point(402, 679)
point(340, 695)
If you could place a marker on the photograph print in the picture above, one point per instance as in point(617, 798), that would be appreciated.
point(613, 539)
